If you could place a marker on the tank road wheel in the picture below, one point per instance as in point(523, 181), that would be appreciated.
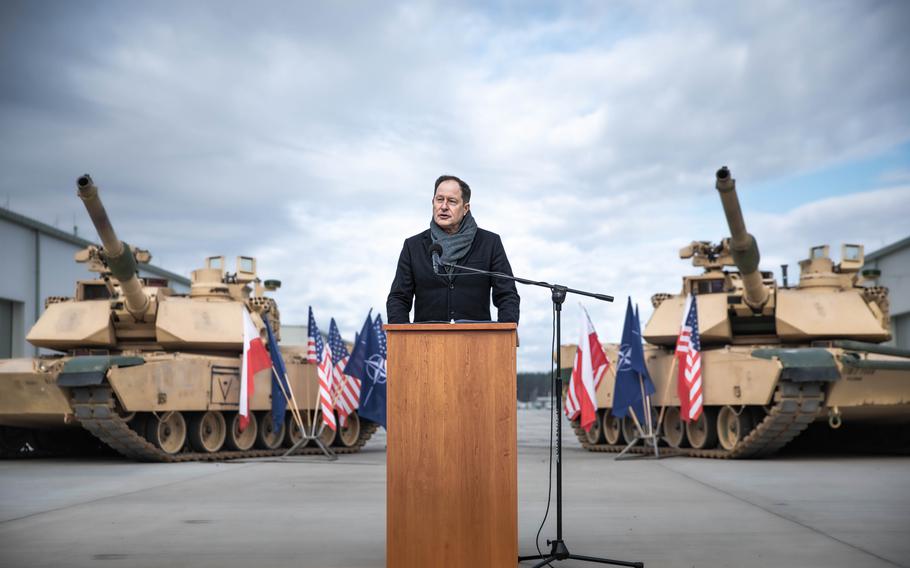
point(237, 440)
point(702, 433)
point(327, 436)
point(208, 431)
point(294, 433)
point(596, 434)
point(268, 438)
point(673, 428)
point(732, 428)
point(629, 430)
point(168, 433)
point(612, 427)
point(350, 432)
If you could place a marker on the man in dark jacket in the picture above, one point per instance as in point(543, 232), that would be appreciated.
point(449, 295)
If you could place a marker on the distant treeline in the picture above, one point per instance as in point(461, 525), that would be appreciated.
point(534, 385)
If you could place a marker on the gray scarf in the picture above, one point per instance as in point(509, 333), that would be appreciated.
point(454, 246)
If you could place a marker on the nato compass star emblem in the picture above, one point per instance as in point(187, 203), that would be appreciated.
point(625, 357)
point(376, 370)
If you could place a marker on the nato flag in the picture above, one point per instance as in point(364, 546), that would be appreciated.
point(279, 403)
point(368, 365)
point(631, 372)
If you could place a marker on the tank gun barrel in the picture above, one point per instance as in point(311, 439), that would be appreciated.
point(743, 246)
point(120, 257)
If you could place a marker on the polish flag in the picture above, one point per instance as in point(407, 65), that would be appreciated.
point(590, 365)
point(255, 359)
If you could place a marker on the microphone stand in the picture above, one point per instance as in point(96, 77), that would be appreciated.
point(558, 549)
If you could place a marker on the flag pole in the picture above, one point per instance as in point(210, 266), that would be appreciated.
point(295, 411)
point(313, 435)
point(306, 437)
point(644, 436)
point(294, 404)
point(635, 420)
point(646, 404)
point(652, 435)
point(289, 399)
point(313, 417)
point(296, 407)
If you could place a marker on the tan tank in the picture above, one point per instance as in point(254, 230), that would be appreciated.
point(774, 358)
point(153, 374)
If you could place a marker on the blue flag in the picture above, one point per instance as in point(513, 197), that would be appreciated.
point(631, 374)
point(279, 403)
point(383, 345)
point(368, 364)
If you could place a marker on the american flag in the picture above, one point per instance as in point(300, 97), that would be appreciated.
point(324, 367)
point(383, 344)
point(347, 388)
point(688, 350)
point(312, 336)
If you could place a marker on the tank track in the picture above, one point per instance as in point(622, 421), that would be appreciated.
point(95, 408)
point(794, 407)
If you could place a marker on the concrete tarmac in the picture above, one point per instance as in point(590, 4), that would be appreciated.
point(801, 511)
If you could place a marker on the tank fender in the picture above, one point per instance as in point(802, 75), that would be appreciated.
point(92, 369)
point(803, 365)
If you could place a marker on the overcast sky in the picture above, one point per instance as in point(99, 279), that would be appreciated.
point(309, 135)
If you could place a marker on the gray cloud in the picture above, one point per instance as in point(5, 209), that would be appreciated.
point(309, 134)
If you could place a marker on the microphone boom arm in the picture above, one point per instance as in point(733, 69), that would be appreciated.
point(554, 287)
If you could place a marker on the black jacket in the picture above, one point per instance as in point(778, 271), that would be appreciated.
point(467, 297)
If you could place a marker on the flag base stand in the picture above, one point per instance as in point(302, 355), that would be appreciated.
point(332, 456)
point(312, 437)
point(646, 441)
point(649, 438)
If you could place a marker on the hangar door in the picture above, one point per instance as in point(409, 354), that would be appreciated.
point(6, 329)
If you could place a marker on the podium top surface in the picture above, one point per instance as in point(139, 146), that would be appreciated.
point(483, 326)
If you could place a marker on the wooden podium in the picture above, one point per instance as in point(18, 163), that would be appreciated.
point(452, 496)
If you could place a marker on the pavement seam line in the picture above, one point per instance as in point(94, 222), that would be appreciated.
point(106, 497)
point(784, 517)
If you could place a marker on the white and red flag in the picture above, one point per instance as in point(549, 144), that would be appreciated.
point(688, 351)
point(255, 359)
point(590, 365)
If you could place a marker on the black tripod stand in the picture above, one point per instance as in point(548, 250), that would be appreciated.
point(558, 549)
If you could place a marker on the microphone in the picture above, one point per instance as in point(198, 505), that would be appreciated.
point(435, 251)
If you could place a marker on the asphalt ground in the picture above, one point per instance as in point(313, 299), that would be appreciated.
point(794, 510)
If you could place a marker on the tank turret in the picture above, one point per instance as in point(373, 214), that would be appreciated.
point(118, 255)
point(122, 311)
point(743, 246)
point(745, 305)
